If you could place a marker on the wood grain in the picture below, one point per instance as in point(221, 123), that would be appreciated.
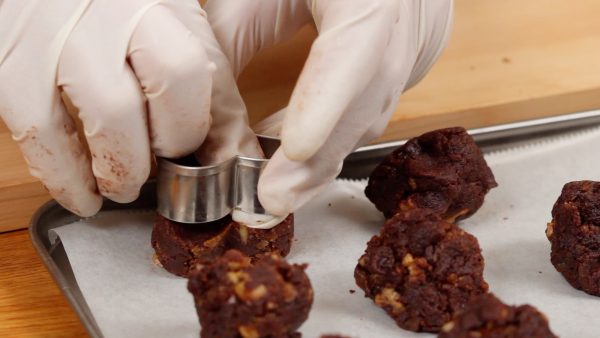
point(507, 61)
point(31, 305)
point(20, 193)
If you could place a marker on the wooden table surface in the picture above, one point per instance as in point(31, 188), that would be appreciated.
point(507, 60)
point(31, 305)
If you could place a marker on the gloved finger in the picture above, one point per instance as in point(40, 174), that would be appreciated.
point(404, 64)
point(243, 28)
point(436, 21)
point(270, 125)
point(230, 134)
point(343, 60)
point(285, 185)
point(31, 107)
point(51, 147)
point(111, 107)
point(176, 77)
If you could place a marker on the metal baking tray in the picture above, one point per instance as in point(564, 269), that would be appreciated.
point(358, 165)
point(51, 215)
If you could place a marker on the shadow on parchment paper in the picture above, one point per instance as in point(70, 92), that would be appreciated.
point(375, 315)
point(359, 210)
point(525, 264)
point(359, 307)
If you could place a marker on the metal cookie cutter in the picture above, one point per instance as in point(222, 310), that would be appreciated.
point(188, 193)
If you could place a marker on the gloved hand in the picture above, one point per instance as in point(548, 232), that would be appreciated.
point(143, 74)
point(367, 53)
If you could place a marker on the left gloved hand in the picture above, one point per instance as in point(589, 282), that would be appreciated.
point(145, 75)
point(367, 53)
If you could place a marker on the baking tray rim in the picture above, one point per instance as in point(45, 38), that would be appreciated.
point(45, 249)
point(57, 274)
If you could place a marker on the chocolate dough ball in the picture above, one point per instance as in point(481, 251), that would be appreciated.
point(237, 298)
point(575, 235)
point(442, 171)
point(487, 317)
point(180, 247)
point(421, 270)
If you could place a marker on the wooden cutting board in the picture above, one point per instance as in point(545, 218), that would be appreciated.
point(506, 61)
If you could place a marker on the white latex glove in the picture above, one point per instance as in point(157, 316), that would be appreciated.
point(141, 73)
point(367, 53)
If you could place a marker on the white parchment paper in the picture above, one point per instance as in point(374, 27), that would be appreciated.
point(130, 297)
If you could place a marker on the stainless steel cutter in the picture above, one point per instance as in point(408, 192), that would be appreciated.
point(190, 193)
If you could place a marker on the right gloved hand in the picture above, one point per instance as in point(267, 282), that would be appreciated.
point(366, 54)
point(141, 73)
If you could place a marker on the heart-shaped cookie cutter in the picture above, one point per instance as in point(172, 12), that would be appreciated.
point(189, 193)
